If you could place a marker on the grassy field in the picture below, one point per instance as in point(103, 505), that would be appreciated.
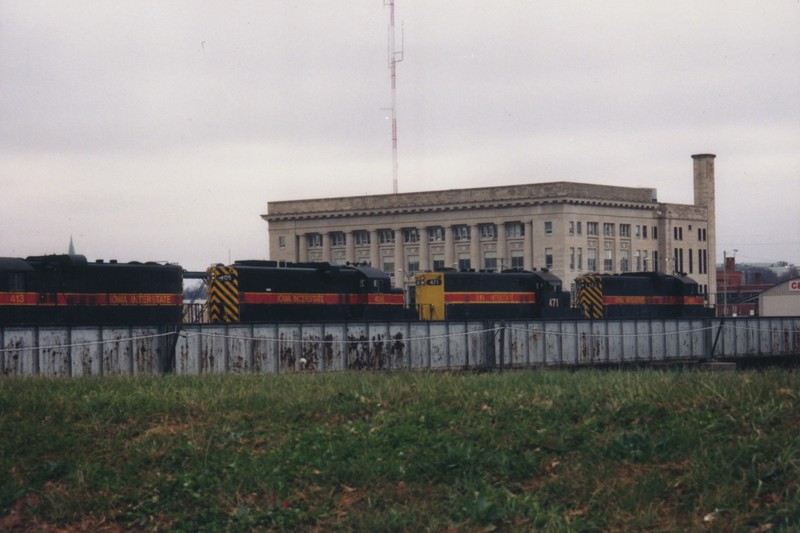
point(517, 451)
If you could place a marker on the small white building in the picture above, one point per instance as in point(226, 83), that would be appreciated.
point(781, 300)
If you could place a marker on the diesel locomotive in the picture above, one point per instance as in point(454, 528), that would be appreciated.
point(265, 291)
point(511, 294)
point(68, 290)
point(639, 295)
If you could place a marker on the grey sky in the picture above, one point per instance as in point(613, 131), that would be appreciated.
point(160, 130)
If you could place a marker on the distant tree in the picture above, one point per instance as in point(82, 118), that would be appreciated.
point(196, 291)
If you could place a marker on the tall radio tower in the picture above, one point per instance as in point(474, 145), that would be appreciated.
point(395, 57)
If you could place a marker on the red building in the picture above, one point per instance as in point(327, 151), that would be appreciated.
point(736, 297)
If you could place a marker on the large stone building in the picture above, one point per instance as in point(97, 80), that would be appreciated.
point(569, 228)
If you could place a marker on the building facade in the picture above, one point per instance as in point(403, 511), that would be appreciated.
point(568, 228)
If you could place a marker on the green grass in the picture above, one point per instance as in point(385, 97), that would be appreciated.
point(518, 451)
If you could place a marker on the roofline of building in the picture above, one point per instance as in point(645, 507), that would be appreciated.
point(460, 199)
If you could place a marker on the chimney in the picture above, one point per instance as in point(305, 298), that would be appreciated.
point(704, 179)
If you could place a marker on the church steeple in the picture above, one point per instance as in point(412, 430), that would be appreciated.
point(71, 246)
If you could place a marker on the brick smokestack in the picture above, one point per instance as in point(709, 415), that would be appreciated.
point(704, 197)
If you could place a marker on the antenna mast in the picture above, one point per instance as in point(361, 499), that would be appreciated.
point(394, 58)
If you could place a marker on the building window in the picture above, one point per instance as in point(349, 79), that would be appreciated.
point(413, 264)
point(388, 265)
point(572, 227)
point(435, 234)
point(572, 258)
point(338, 239)
point(591, 228)
point(580, 258)
point(578, 228)
point(655, 261)
point(464, 262)
point(386, 236)
point(637, 260)
point(517, 261)
point(487, 232)
point(637, 231)
point(644, 232)
point(410, 235)
point(548, 257)
point(314, 240)
point(623, 261)
point(655, 232)
point(548, 228)
point(460, 233)
point(281, 242)
point(677, 233)
point(591, 258)
point(624, 230)
point(608, 261)
point(608, 229)
point(438, 261)
point(490, 261)
point(515, 230)
point(361, 238)
point(691, 261)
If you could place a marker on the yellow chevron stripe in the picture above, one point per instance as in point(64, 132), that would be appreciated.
point(223, 294)
point(590, 296)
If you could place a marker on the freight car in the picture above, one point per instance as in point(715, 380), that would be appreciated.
point(511, 294)
point(639, 295)
point(68, 290)
point(267, 291)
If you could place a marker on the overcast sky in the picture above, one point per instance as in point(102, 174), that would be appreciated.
point(160, 130)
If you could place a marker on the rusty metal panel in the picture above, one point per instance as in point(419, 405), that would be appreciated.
point(610, 341)
point(117, 355)
point(212, 349)
point(552, 344)
point(21, 357)
point(238, 350)
point(570, 348)
point(54, 352)
point(187, 351)
point(290, 347)
point(85, 352)
point(450, 339)
point(421, 338)
point(515, 350)
point(264, 349)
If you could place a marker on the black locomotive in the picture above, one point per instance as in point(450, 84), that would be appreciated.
point(266, 291)
point(68, 290)
point(639, 295)
point(511, 294)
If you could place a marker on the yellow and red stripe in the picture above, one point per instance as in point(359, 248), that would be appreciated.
point(309, 298)
point(490, 298)
point(653, 300)
point(97, 299)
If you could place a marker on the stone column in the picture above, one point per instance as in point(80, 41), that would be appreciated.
point(399, 257)
point(527, 245)
point(424, 254)
point(350, 247)
point(326, 247)
point(502, 260)
point(374, 259)
point(449, 247)
point(474, 247)
point(302, 246)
